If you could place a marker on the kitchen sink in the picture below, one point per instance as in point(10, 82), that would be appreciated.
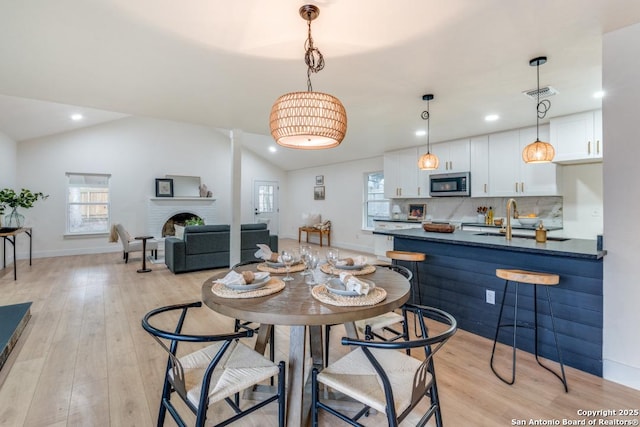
point(523, 236)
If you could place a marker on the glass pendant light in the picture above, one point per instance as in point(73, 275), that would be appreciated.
point(428, 161)
point(539, 151)
point(308, 120)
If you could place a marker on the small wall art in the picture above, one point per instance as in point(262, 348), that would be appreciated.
point(319, 179)
point(318, 192)
point(164, 187)
point(417, 212)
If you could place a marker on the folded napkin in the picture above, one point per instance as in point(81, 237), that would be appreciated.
point(235, 278)
point(352, 283)
point(264, 252)
point(357, 260)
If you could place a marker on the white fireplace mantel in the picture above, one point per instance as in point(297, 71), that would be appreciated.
point(160, 209)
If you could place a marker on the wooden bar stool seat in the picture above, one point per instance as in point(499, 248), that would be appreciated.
point(536, 279)
point(414, 258)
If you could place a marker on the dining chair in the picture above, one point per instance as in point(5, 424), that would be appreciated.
point(239, 324)
point(382, 378)
point(224, 368)
point(380, 326)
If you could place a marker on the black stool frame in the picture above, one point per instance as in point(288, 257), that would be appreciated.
point(515, 325)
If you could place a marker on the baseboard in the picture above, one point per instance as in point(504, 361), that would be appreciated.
point(621, 373)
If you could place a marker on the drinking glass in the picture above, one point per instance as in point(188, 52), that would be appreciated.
point(287, 259)
point(312, 263)
point(305, 253)
point(333, 255)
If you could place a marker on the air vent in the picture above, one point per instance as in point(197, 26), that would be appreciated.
point(545, 92)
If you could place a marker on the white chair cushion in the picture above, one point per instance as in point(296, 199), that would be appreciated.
point(310, 219)
point(240, 368)
point(354, 376)
point(379, 322)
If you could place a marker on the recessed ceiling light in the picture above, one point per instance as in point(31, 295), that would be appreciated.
point(599, 94)
point(421, 132)
point(77, 117)
point(272, 149)
point(491, 117)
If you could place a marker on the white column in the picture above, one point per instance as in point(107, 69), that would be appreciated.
point(235, 136)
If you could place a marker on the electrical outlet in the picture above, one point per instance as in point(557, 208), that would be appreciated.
point(490, 296)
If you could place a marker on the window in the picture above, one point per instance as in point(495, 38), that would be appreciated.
point(375, 204)
point(87, 203)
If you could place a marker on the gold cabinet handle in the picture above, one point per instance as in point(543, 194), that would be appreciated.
point(588, 147)
point(418, 191)
point(516, 187)
point(485, 188)
point(598, 146)
point(522, 187)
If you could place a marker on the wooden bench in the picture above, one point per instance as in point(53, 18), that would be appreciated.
point(321, 232)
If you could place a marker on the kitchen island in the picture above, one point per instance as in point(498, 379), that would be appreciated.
point(459, 272)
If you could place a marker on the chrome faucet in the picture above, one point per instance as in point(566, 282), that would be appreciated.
point(510, 202)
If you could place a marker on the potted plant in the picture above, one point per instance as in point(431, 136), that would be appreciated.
point(194, 221)
point(25, 199)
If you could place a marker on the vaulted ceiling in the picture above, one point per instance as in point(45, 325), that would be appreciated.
point(223, 63)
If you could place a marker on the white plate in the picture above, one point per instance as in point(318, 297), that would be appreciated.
point(260, 280)
point(351, 267)
point(335, 286)
point(279, 264)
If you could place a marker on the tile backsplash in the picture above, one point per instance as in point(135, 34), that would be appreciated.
point(464, 209)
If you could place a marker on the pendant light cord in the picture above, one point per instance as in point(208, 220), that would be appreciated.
point(312, 57)
point(542, 107)
point(425, 116)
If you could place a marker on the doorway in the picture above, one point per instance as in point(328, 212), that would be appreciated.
point(265, 204)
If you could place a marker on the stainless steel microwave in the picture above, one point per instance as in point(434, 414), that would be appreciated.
point(450, 184)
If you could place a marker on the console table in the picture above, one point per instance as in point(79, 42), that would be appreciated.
point(321, 232)
point(9, 235)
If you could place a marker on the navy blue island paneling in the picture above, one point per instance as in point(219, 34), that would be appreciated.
point(461, 266)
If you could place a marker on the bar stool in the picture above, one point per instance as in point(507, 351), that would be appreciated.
point(536, 279)
point(414, 258)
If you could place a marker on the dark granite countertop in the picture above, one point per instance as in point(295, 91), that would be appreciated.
point(572, 248)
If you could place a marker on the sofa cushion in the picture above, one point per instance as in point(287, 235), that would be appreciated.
point(206, 228)
point(309, 219)
point(260, 226)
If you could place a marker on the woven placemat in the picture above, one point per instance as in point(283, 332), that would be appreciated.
point(275, 285)
point(374, 296)
point(280, 270)
point(367, 269)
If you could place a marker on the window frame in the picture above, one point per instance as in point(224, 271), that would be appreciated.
point(68, 204)
point(367, 201)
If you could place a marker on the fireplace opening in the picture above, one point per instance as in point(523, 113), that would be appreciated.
point(168, 228)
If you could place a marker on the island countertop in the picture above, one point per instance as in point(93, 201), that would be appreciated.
point(572, 248)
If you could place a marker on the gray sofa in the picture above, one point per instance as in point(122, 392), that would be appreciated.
point(207, 246)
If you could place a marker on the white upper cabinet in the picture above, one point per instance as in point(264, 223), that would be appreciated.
point(454, 156)
point(479, 166)
point(577, 138)
point(509, 175)
point(401, 174)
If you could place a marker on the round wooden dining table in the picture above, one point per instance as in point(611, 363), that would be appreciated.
point(295, 307)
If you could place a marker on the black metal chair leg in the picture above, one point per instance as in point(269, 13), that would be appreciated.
point(500, 325)
point(562, 377)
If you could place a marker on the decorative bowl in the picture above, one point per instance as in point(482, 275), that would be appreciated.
point(529, 221)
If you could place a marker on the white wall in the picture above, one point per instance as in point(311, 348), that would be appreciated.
point(344, 184)
point(582, 192)
point(7, 161)
point(621, 61)
point(135, 151)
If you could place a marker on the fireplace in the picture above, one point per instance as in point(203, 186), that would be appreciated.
point(162, 210)
point(168, 228)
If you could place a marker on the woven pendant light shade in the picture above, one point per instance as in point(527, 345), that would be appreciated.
point(308, 120)
point(428, 161)
point(538, 152)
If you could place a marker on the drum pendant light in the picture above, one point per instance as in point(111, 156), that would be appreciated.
point(539, 151)
point(308, 120)
point(428, 161)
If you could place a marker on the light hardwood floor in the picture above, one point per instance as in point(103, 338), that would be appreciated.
point(84, 360)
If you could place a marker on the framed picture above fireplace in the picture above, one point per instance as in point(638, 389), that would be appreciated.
point(164, 187)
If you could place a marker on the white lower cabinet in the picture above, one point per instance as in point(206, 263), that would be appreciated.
point(383, 243)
